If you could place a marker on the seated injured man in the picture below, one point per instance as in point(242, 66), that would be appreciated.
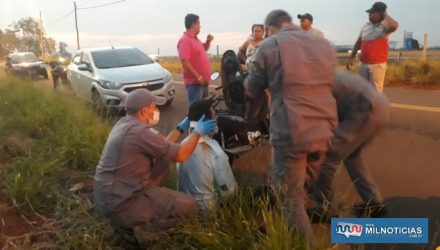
point(206, 174)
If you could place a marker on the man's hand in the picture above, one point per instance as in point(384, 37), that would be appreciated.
point(184, 124)
point(202, 80)
point(205, 127)
point(350, 63)
point(209, 38)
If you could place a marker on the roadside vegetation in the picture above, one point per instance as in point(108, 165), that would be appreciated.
point(50, 144)
point(407, 73)
point(173, 65)
point(413, 72)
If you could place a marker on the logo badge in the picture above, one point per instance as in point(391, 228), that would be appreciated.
point(349, 229)
point(379, 230)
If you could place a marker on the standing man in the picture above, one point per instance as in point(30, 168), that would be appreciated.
point(373, 43)
point(134, 163)
point(298, 69)
point(195, 61)
point(362, 113)
point(306, 21)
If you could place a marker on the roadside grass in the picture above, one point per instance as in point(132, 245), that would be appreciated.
point(409, 72)
point(414, 73)
point(173, 64)
point(51, 142)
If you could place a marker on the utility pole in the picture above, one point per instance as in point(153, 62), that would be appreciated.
point(41, 37)
point(425, 46)
point(76, 25)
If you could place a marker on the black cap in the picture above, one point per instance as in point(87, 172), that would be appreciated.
point(305, 16)
point(377, 6)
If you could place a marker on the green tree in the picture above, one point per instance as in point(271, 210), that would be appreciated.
point(30, 37)
point(9, 42)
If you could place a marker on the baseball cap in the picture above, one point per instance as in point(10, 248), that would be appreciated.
point(305, 16)
point(140, 98)
point(377, 6)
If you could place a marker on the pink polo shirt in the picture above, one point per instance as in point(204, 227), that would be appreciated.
point(191, 48)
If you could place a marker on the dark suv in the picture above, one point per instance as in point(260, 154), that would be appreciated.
point(25, 64)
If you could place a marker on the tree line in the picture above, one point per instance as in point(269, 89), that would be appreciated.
point(24, 36)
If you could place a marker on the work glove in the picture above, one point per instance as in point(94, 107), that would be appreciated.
point(205, 127)
point(184, 124)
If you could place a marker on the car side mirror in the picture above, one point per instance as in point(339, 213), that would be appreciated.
point(84, 67)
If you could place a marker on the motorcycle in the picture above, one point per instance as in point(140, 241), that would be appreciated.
point(244, 124)
point(59, 73)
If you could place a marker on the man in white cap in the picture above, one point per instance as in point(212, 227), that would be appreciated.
point(134, 162)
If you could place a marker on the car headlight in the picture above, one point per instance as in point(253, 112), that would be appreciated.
point(109, 84)
point(168, 78)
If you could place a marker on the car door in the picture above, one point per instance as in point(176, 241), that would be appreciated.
point(73, 73)
point(86, 77)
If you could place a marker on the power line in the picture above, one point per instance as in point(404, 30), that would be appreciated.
point(84, 8)
point(88, 2)
point(60, 18)
point(101, 5)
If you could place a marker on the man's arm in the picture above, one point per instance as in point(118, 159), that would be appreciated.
point(207, 44)
point(187, 147)
point(390, 25)
point(256, 81)
point(356, 47)
point(181, 128)
point(189, 144)
point(174, 135)
point(187, 65)
point(242, 48)
point(223, 177)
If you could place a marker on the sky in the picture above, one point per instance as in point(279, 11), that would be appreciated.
point(153, 25)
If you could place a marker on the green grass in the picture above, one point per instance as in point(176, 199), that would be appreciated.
point(410, 72)
point(414, 73)
point(51, 141)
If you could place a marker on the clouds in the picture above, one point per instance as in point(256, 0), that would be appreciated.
point(153, 24)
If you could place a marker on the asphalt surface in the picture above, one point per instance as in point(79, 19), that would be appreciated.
point(404, 157)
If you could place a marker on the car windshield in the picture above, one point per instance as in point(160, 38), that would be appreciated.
point(20, 58)
point(117, 58)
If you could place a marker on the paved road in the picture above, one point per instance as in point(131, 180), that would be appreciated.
point(404, 157)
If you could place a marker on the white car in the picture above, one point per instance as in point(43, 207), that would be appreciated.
point(105, 76)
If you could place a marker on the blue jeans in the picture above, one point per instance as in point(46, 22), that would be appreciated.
point(195, 92)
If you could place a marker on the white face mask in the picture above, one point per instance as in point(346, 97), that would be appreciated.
point(156, 117)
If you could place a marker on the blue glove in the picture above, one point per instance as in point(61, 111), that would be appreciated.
point(184, 124)
point(205, 127)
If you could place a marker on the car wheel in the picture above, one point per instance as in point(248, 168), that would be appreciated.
point(98, 105)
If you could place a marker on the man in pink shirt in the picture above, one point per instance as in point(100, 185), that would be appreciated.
point(195, 61)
